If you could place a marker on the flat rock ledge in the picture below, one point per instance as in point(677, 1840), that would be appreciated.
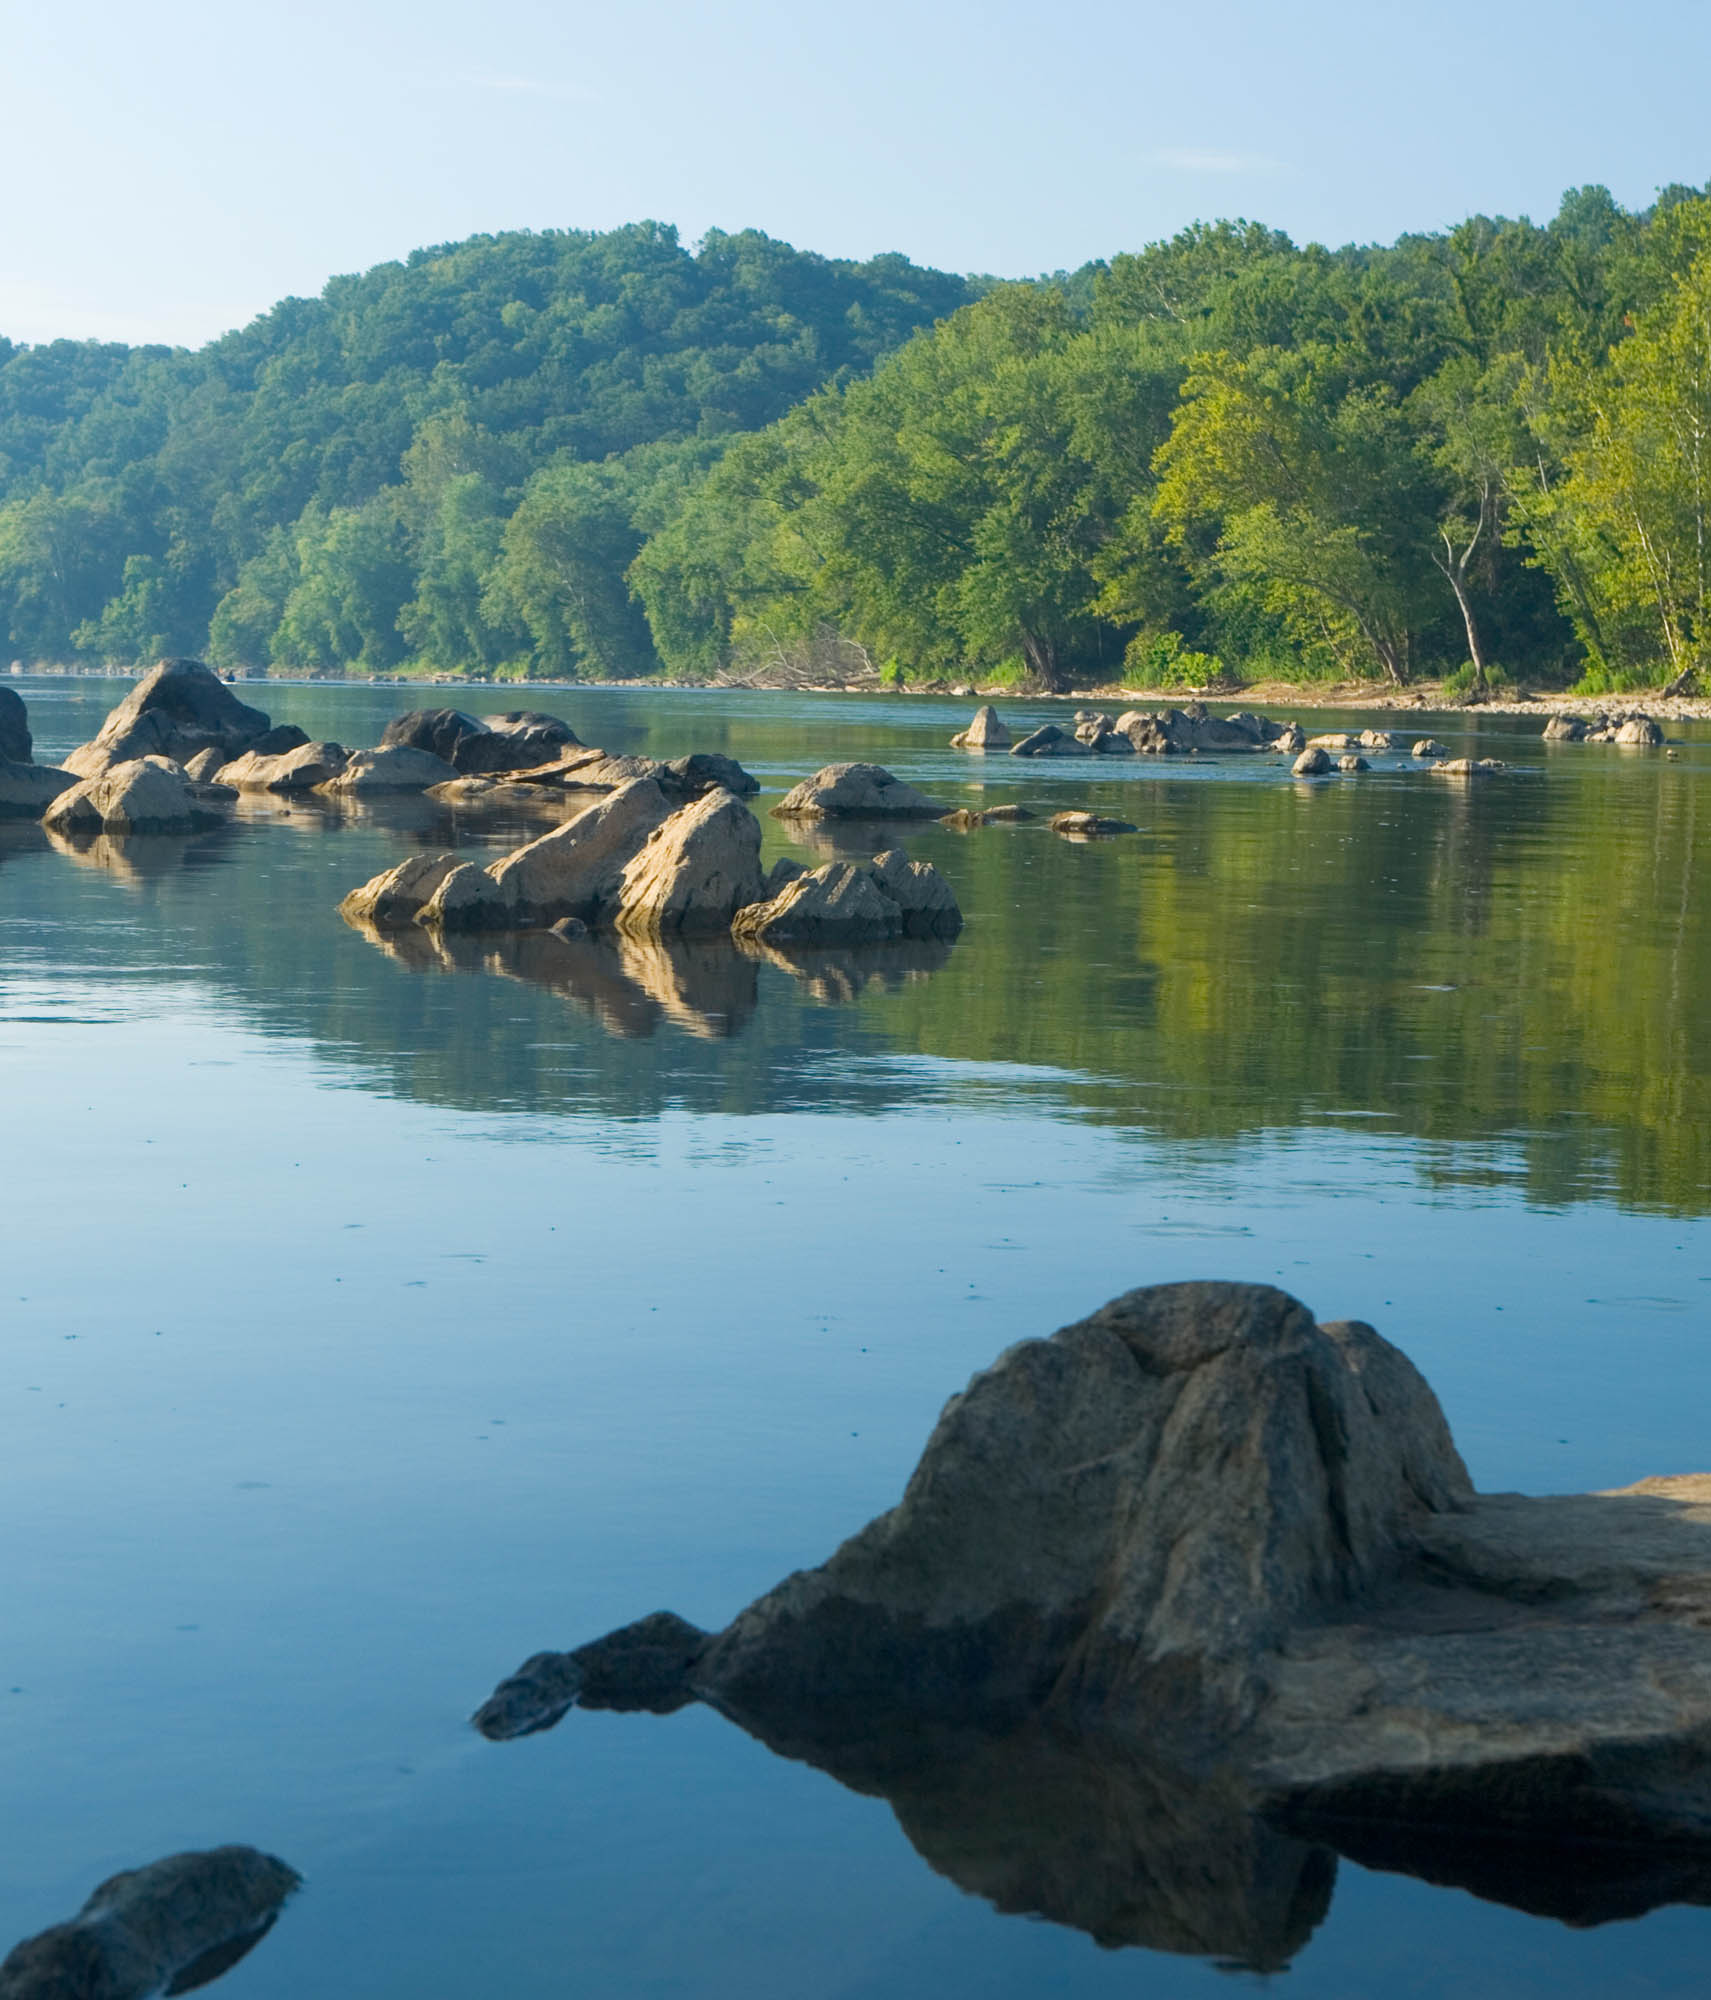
point(1196, 1593)
point(168, 1928)
point(638, 863)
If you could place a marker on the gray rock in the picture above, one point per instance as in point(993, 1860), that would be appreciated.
point(514, 741)
point(297, 770)
point(16, 746)
point(1086, 825)
point(1565, 729)
point(440, 731)
point(1639, 729)
point(204, 767)
point(694, 871)
point(276, 741)
point(174, 711)
point(838, 904)
point(395, 767)
point(1290, 740)
point(1378, 739)
point(926, 899)
point(1005, 815)
point(169, 1927)
point(576, 870)
point(1337, 739)
point(399, 895)
point(854, 791)
point(144, 795)
point(785, 869)
point(706, 771)
point(1429, 746)
point(27, 790)
point(1469, 767)
point(1351, 762)
point(985, 732)
point(1311, 763)
point(466, 899)
point(1049, 741)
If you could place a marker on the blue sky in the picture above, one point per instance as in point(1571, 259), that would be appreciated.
point(175, 168)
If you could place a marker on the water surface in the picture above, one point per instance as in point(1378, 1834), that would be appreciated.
point(373, 1324)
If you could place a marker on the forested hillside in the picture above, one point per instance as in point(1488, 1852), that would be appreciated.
point(1482, 450)
point(449, 460)
point(1469, 454)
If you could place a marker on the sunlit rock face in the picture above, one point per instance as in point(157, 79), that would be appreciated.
point(176, 711)
point(1216, 1575)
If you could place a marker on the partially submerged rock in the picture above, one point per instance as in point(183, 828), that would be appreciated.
point(399, 895)
point(396, 767)
point(1050, 741)
point(1085, 825)
point(985, 732)
point(1469, 767)
point(854, 791)
point(1336, 739)
point(1378, 739)
point(16, 745)
point(1312, 763)
point(1352, 762)
point(847, 903)
point(27, 790)
point(1428, 746)
point(299, 769)
point(178, 709)
point(146, 795)
point(965, 818)
point(1232, 1558)
point(694, 871)
point(1195, 731)
point(1639, 729)
point(1565, 729)
point(168, 1928)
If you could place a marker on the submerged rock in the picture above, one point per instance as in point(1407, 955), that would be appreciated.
point(146, 795)
point(168, 1928)
point(854, 791)
point(1084, 825)
point(1232, 1559)
point(985, 732)
point(178, 709)
point(16, 744)
point(27, 790)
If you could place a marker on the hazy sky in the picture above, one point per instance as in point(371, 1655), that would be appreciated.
point(174, 168)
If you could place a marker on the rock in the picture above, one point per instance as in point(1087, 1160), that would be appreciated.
point(144, 795)
point(175, 711)
point(1049, 741)
point(204, 767)
point(169, 1927)
point(395, 767)
point(706, 771)
point(985, 732)
point(1084, 824)
point(512, 742)
point(599, 773)
point(643, 1666)
point(399, 895)
point(1565, 729)
point(437, 730)
point(493, 792)
point(576, 870)
point(16, 746)
point(466, 899)
point(928, 904)
point(785, 869)
point(1352, 763)
point(694, 871)
point(854, 791)
point(964, 820)
point(1311, 763)
point(1338, 739)
point(838, 904)
point(569, 927)
point(1091, 725)
point(297, 770)
point(1203, 1541)
point(1469, 767)
point(1171, 732)
point(27, 790)
point(1290, 741)
point(1005, 815)
point(1639, 729)
point(1429, 746)
point(1377, 739)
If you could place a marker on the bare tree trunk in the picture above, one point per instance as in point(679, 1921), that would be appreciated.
point(1041, 656)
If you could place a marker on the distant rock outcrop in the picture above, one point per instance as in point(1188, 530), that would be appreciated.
point(854, 791)
point(175, 711)
point(1214, 1576)
point(167, 1928)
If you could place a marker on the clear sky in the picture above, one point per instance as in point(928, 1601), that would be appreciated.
point(174, 168)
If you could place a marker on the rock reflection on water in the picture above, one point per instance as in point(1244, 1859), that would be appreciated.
point(709, 987)
point(136, 858)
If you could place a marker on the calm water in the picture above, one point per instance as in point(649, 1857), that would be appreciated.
point(373, 1323)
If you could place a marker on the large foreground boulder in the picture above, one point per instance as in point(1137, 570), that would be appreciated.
point(16, 745)
point(855, 791)
point(168, 1928)
point(694, 872)
point(146, 795)
point(180, 708)
point(300, 769)
point(1231, 1558)
point(27, 790)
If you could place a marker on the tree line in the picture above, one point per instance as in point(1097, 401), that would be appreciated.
point(1477, 453)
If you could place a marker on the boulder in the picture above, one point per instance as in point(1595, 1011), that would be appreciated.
point(1639, 729)
point(599, 773)
point(166, 1928)
point(1198, 1539)
point(1352, 762)
point(1049, 741)
point(838, 904)
point(926, 899)
point(466, 899)
point(276, 741)
point(145, 795)
point(704, 771)
point(494, 792)
point(204, 767)
point(985, 732)
point(1565, 729)
point(785, 869)
point(1428, 746)
point(16, 745)
point(1171, 732)
point(437, 730)
point(1005, 815)
point(694, 871)
point(1290, 740)
point(1084, 825)
point(297, 770)
point(398, 895)
point(175, 711)
point(27, 790)
point(395, 767)
point(1469, 767)
point(513, 742)
point(1378, 739)
point(1311, 763)
point(854, 791)
point(1337, 739)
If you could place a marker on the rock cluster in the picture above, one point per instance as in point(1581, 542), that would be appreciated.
point(143, 795)
point(1631, 727)
point(1225, 1563)
point(478, 745)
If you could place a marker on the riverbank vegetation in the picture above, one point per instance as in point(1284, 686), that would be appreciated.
point(1482, 455)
